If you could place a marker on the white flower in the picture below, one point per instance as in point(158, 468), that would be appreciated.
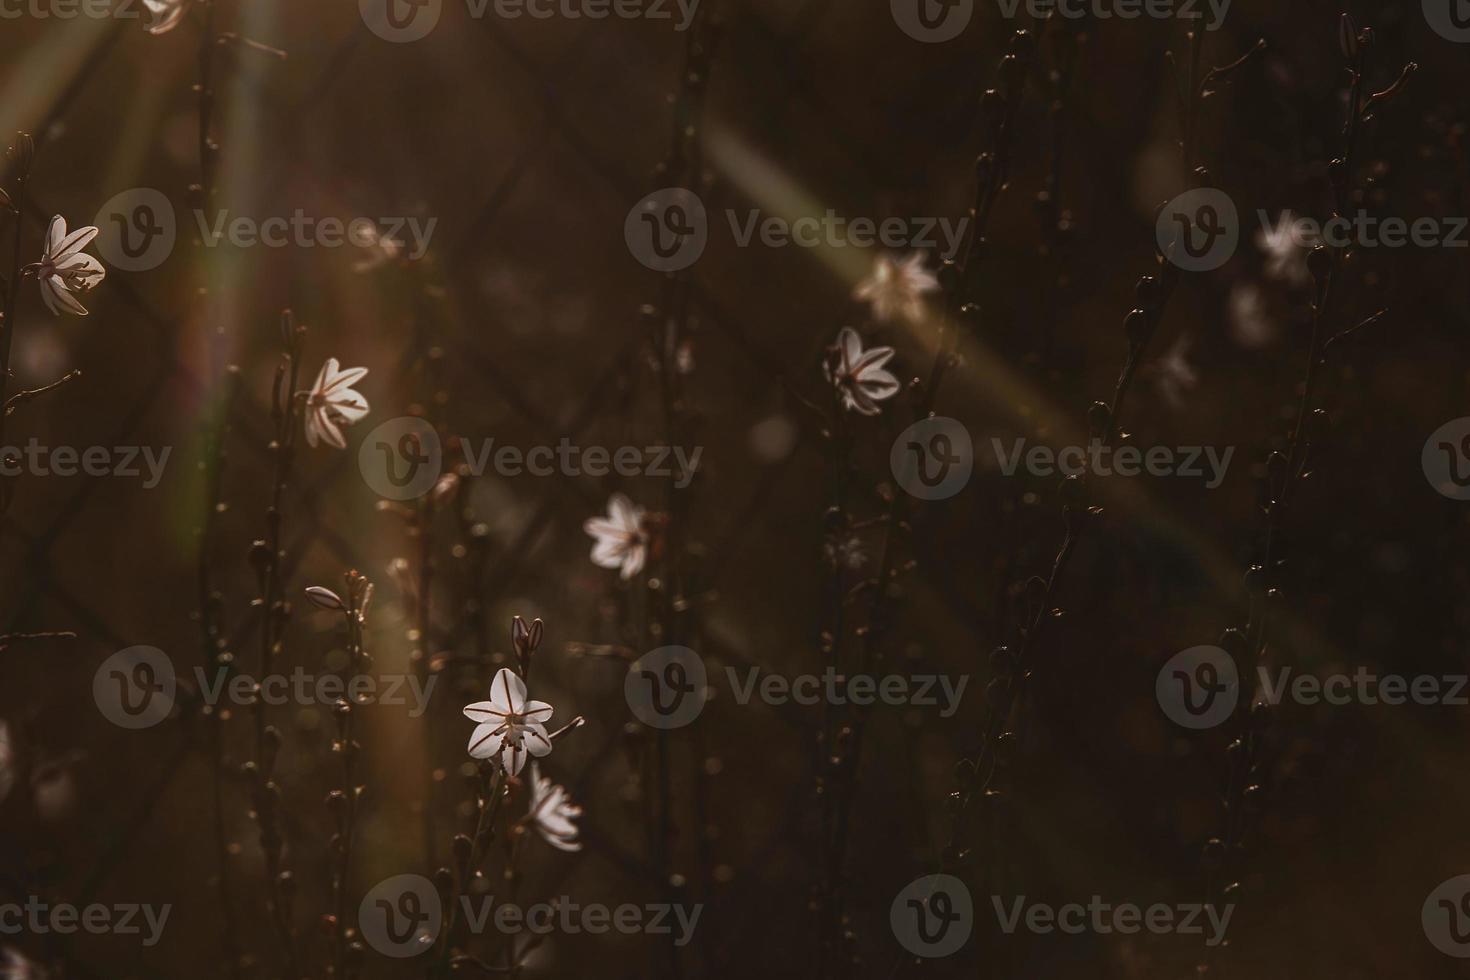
point(859, 375)
point(332, 403)
point(1286, 250)
point(621, 539)
point(552, 811)
point(379, 249)
point(166, 14)
point(1174, 374)
point(1250, 323)
point(65, 269)
point(17, 967)
point(896, 289)
point(510, 726)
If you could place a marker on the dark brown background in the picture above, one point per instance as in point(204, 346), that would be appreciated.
point(529, 141)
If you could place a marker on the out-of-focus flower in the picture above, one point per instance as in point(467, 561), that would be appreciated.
point(896, 289)
point(54, 785)
point(1286, 252)
point(859, 375)
point(331, 403)
point(847, 553)
point(1174, 375)
point(552, 812)
point(166, 14)
point(1250, 324)
point(15, 966)
point(620, 538)
point(510, 727)
point(65, 270)
point(378, 250)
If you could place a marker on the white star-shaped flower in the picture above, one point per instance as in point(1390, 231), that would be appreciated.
point(166, 14)
point(859, 375)
point(331, 403)
point(552, 812)
point(510, 727)
point(896, 289)
point(621, 540)
point(65, 270)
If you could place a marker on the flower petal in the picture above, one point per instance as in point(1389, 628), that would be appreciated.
point(74, 243)
point(536, 712)
point(508, 691)
point(486, 741)
point(344, 379)
point(484, 711)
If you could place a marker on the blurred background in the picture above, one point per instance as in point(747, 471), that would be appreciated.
point(528, 319)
